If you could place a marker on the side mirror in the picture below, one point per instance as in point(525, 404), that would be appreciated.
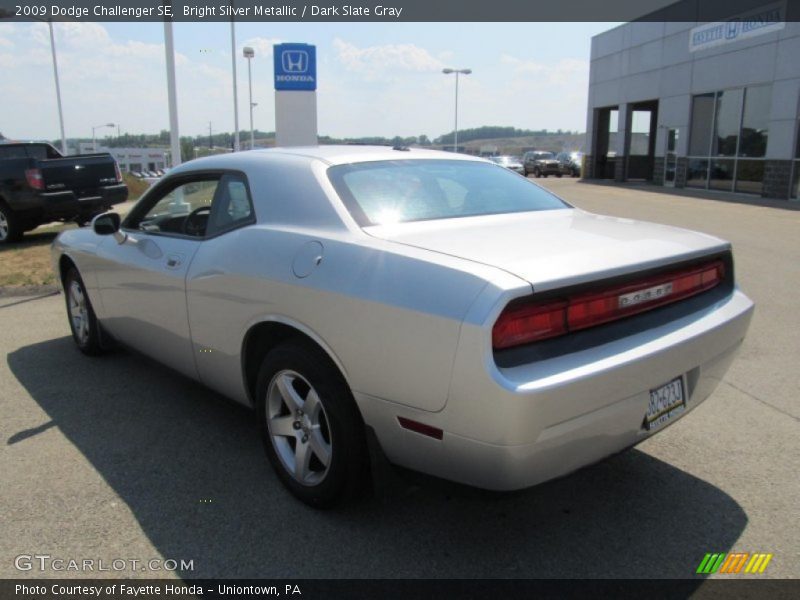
point(106, 224)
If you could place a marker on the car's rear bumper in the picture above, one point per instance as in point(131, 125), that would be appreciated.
point(537, 422)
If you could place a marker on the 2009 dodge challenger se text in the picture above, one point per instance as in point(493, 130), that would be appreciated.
point(483, 329)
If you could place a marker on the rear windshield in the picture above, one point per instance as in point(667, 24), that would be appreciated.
point(400, 191)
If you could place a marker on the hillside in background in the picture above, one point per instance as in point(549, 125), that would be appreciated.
point(480, 140)
point(570, 142)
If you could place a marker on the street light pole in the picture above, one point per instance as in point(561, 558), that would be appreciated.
point(235, 93)
point(58, 89)
point(249, 53)
point(94, 138)
point(457, 72)
point(172, 96)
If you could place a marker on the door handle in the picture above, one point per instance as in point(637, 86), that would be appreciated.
point(173, 261)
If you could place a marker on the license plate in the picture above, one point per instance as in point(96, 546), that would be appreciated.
point(666, 403)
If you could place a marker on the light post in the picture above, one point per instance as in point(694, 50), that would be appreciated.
point(58, 89)
point(235, 92)
point(94, 139)
point(457, 72)
point(249, 53)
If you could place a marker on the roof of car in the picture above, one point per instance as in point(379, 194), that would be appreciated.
point(345, 154)
point(329, 155)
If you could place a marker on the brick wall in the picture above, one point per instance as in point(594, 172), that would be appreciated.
point(681, 169)
point(776, 179)
point(658, 170)
point(619, 168)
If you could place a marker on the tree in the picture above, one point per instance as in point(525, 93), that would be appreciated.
point(187, 149)
point(423, 140)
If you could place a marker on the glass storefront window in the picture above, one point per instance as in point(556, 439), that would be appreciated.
point(721, 175)
point(697, 173)
point(755, 121)
point(640, 133)
point(750, 176)
point(702, 121)
point(727, 122)
point(731, 123)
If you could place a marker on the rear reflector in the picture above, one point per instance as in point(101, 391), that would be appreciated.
point(35, 179)
point(417, 427)
point(526, 322)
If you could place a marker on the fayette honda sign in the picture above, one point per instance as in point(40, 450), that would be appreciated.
point(765, 20)
point(295, 67)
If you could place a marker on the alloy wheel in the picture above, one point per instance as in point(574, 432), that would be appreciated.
point(78, 312)
point(299, 428)
point(3, 226)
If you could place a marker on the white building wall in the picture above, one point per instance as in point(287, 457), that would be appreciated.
point(648, 61)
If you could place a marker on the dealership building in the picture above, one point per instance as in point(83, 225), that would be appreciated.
point(131, 160)
point(708, 105)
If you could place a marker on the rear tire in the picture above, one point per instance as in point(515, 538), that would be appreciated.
point(312, 431)
point(82, 320)
point(11, 228)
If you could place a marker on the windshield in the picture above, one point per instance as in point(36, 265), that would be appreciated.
point(383, 192)
point(541, 155)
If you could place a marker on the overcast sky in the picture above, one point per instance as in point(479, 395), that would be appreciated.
point(374, 78)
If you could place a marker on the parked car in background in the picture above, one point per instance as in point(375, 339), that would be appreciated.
point(568, 164)
point(540, 164)
point(459, 319)
point(509, 162)
point(39, 185)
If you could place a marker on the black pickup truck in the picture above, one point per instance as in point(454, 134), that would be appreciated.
point(39, 185)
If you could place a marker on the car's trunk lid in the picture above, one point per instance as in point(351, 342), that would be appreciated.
point(555, 248)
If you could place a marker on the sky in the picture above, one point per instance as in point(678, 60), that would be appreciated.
point(374, 79)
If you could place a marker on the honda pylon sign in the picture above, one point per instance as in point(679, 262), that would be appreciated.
point(295, 67)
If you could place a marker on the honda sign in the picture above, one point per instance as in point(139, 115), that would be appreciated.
point(295, 67)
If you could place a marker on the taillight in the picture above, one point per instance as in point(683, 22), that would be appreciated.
point(35, 179)
point(117, 172)
point(526, 322)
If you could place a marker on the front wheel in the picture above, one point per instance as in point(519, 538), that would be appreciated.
point(82, 320)
point(312, 431)
point(11, 228)
point(537, 173)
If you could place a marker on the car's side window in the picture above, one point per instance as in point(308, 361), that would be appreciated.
point(232, 207)
point(210, 204)
point(183, 210)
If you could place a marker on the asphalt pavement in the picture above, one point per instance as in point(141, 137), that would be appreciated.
point(119, 458)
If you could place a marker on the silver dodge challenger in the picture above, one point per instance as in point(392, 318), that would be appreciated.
point(454, 315)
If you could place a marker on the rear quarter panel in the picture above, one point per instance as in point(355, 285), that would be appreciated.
point(390, 320)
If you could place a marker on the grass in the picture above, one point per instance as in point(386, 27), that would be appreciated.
point(26, 264)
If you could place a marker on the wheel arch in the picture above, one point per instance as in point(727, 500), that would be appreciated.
point(65, 263)
point(268, 333)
